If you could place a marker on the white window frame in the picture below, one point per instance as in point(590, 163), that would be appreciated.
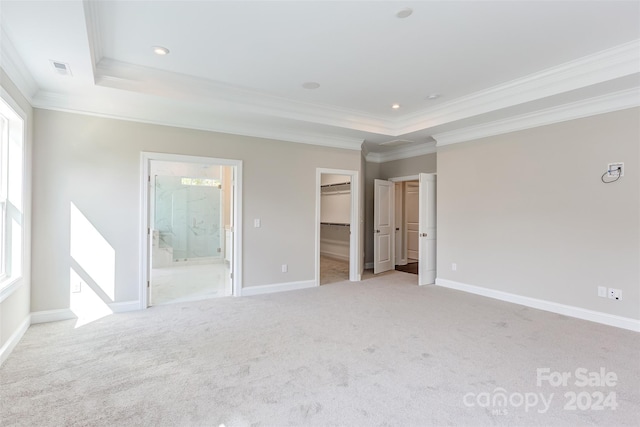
point(13, 138)
point(4, 178)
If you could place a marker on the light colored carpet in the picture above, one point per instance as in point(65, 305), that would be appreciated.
point(379, 352)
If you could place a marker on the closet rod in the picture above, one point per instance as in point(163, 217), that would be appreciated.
point(334, 185)
point(339, 224)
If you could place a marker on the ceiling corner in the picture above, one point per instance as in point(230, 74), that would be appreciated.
point(12, 64)
point(93, 32)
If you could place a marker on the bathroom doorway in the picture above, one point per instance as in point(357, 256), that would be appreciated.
point(191, 229)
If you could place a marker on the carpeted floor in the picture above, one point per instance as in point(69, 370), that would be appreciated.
point(379, 352)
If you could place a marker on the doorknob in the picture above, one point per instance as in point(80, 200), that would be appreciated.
point(377, 231)
point(423, 234)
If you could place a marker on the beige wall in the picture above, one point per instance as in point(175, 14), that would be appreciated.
point(14, 310)
point(526, 213)
point(387, 170)
point(426, 163)
point(95, 164)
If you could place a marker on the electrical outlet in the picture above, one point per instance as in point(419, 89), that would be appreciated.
point(76, 287)
point(602, 291)
point(454, 266)
point(256, 223)
point(615, 294)
point(285, 268)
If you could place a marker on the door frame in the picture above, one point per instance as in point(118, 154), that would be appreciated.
point(414, 178)
point(354, 224)
point(145, 220)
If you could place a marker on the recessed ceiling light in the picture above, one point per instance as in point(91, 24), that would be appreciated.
point(404, 13)
point(311, 85)
point(395, 106)
point(160, 50)
point(433, 96)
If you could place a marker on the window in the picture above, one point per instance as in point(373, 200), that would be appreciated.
point(11, 193)
point(4, 144)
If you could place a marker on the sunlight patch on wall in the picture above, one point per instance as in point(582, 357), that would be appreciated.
point(84, 302)
point(92, 253)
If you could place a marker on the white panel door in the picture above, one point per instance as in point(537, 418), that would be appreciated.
point(384, 226)
point(427, 265)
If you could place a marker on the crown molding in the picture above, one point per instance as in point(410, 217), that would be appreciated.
point(134, 78)
point(609, 64)
point(401, 153)
point(12, 64)
point(599, 105)
point(202, 119)
point(93, 32)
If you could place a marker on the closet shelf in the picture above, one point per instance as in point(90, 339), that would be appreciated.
point(334, 185)
point(337, 224)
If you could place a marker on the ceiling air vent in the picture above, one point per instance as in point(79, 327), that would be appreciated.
point(61, 68)
point(396, 142)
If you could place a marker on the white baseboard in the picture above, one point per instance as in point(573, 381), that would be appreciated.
point(278, 287)
point(66, 313)
point(52, 316)
point(121, 307)
point(14, 339)
point(567, 310)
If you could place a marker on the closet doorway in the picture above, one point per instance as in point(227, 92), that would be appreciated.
point(407, 225)
point(336, 226)
point(190, 220)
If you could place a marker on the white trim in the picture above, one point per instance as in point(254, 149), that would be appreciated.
point(141, 109)
point(401, 153)
point(192, 112)
point(125, 306)
point(277, 287)
point(92, 18)
point(135, 78)
point(609, 64)
point(354, 227)
point(14, 339)
point(566, 310)
point(145, 159)
point(9, 287)
point(12, 64)
point(599, 105)
point(47, 316)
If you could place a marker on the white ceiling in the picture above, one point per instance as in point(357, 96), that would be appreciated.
point(239, 66)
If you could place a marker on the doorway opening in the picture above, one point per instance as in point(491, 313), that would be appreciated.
point(402, 237)
point(336, 226)
point(407, 226)
point(191, 216)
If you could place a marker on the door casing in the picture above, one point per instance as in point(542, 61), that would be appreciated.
point(145, 219)
point(355, 266)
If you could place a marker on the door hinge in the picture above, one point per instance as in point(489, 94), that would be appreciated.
point(148, 284)
point(148, 231)
point(231, 275)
